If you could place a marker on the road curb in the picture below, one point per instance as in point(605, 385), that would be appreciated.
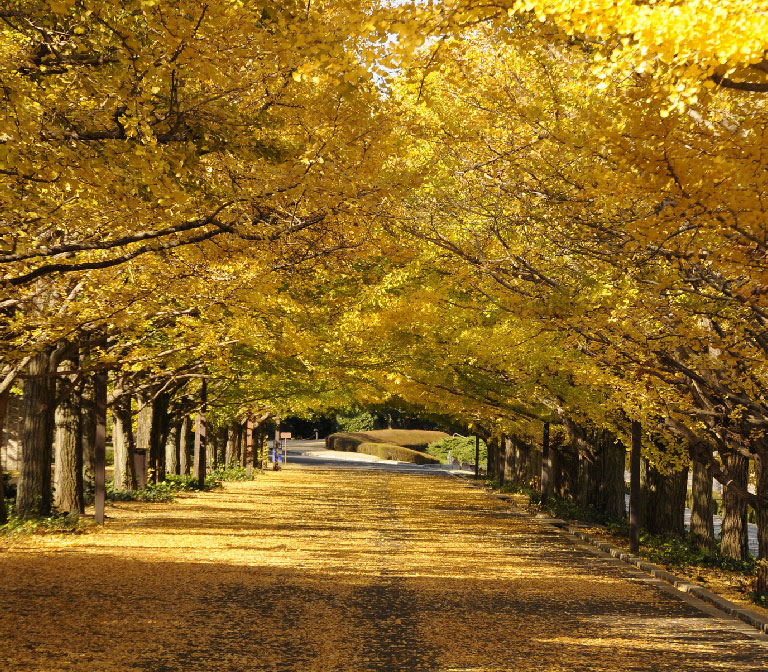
point(732, 609)
point(720, 603)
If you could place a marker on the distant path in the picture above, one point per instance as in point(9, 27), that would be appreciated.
point(351, 567)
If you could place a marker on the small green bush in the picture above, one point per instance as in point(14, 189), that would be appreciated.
point(462, 449)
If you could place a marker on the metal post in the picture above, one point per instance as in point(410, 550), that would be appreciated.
point(477, 456)
point(545, 464)
point(100, 394)
point(634, 488)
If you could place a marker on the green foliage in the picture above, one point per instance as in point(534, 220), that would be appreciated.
point(57, 523)
point(230, 473)
point(391, 451)
point(461, 448)
point(361, 422)
point(166, 490)
point(568, 509)
point(680, 551)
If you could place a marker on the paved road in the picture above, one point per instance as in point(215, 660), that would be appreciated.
point(348, 567)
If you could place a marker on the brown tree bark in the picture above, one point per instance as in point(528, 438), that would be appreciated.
point(187, 439)
point(172, 445)
point(159, 435)
point(144, 434)
point(613, 457)
point(68, 451)
point(34, 489)
point(666, 503)
point(3, 412)
point(231, 446)
point(733, 537)
point(123, 443)
point(761, 471)
point(702, 526)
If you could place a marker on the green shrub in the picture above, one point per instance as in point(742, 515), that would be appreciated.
point(391, 451)
point(231, 473)
point(462, 449)
point(57, 523)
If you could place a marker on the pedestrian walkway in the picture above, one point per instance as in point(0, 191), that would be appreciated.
point(321, 569)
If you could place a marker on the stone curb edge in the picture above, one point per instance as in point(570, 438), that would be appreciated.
point(750, 617)
point(720, 603)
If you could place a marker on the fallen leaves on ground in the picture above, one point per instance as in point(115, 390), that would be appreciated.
point(341, 570)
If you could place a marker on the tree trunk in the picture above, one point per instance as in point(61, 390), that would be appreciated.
point(546, 467)
point(509, 460)
point(34, 490)
point(143, 435)
point(492, 461)
point(123, 443)
point(172, 449)
point(88, 424)
point(68, 469)
point(702, 527)
point(761, 471)
point(568, 470)
point(644, 495)
point(221, 445)
point(185, 446)
point(159, 435)
point(734, 541)
point(666, 504)
point(229, 450)
point(613, 457)
point(3, 412)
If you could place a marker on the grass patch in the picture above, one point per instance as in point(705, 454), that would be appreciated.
point(415, 439)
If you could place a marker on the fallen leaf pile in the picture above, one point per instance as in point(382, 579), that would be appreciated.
point(313, 570)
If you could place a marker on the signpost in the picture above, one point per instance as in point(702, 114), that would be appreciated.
point(284, 449)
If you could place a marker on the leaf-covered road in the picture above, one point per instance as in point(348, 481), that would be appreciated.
point(321, 570)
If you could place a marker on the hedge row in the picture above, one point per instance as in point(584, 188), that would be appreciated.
point(416, 439)
point(391, 451)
